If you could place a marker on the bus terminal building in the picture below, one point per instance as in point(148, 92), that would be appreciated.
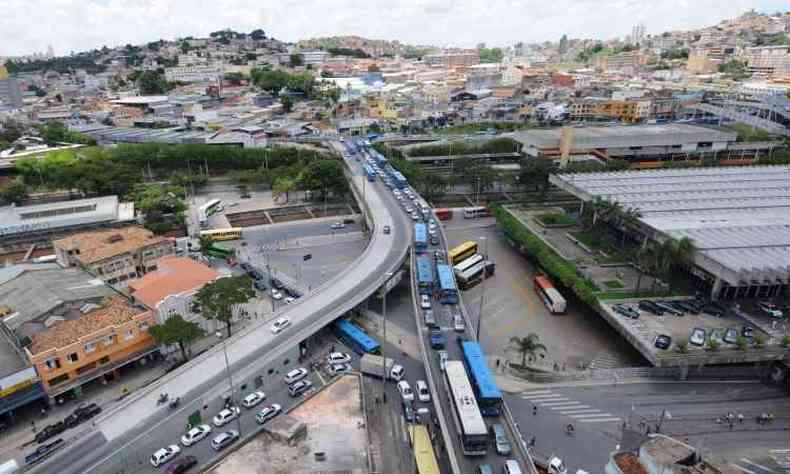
point(738, 219)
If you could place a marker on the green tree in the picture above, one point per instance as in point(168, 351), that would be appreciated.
point(296, 60)
point(177, 330)
point(217, 299)
point(287, 103)
point(152, 83)
point(491, 55)
point(325, 176)
point(13, 191)
point(258, 35)
point(529, 345)
point(283, 185)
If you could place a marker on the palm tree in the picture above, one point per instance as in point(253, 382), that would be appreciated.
point(528, 345)
point(628, 219)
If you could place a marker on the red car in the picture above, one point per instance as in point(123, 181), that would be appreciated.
point(182, 464)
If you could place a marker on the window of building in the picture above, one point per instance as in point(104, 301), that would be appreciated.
point(129, 334)
point(109, 340)
point(143, 326)
point(53, 363)
point(104, 360)
point(73, 357)
point(58, 380)
point(90, 346)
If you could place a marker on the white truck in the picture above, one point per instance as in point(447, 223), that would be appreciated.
point(549, 464)
point(378, 366)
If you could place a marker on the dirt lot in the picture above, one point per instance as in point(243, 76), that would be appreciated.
point(335, 426)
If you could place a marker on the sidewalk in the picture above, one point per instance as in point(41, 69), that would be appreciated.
point(405, 341)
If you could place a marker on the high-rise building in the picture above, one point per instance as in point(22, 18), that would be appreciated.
point(637, 33)
point(10, 95)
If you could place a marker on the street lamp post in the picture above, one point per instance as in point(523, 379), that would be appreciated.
point(387, 276)
point(483, 294)
point(230, 377)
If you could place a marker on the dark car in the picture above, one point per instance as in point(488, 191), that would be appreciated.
point(670, 308)
point(50, 431)
point(714, 309)
point(255, 275)
point(650, 307)
point(43, 451)
point(293, 293)
point(260, 285)
point(277, 283)
point(246, 266)
point(82, 413)
point(180, 465)
point(662, 341)
point(434, 240)
point(437, 339)
point(408, 412)
point(626, 311)
point(747, 332)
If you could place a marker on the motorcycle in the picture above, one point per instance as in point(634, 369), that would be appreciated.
point(163, 397)
point(174, 403)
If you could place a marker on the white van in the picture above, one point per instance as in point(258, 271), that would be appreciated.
point(511, 467)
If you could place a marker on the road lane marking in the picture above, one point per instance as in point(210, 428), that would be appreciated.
point(600, 420)
point(318, 373)
point(742, 468)
point(577, 410)
point(756, 465)
point(554, 403)
point(592, 415)
point(545, 401)
point(536, 397)
point(538, 392)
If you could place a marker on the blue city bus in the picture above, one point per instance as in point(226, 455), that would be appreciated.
point(420, 237)
point(369, 172)
point(448, 291)
point(424, 275)
point(489, 397)
point(355, 338)
point(380, 159)
point(399, 179)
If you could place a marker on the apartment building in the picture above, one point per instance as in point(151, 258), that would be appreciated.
point(625, 62)
point(114, 255)
point(314, 58)
point(194, 73)
point(768, 60)
point(626, 111)
point(454, 59)
point(10, 94)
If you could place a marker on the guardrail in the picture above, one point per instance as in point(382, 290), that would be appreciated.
point(521, 444)
point(448, 440)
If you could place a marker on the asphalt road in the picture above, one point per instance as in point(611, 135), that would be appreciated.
point(597, 413)
point(202, 381)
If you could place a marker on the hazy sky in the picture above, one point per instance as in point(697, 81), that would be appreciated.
point(28, 26)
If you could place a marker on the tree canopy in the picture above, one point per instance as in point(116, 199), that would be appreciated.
point(491, 55)
point(275, 81)
point(217, 299)
point(176, 330)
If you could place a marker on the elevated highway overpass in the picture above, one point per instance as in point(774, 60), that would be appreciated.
point(128, 430)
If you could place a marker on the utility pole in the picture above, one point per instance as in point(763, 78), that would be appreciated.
point(230, 377)
point(483, 294)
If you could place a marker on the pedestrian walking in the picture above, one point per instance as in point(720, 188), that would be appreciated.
point(740, 418)
point(534, 410)
point(532, 441)
point(497, 363)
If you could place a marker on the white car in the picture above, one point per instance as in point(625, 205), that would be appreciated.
point(280, 324)
point(338, 225)
point(267, 413)
point(405, 391)
point(423, 394)
point(289, 299)
point(338, 358)
point(442, 359)
point(295, 375)
point(253, 399)
point(425, 302)
point(195, 434)
point(277, 294)
point(338, 369)
point(226, 416)
point(397, 372)
point(164, 455)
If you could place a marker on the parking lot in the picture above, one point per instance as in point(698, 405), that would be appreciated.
point(511, 308)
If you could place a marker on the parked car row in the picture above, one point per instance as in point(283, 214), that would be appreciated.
point(680, 307)
point(278, 289)
point(79, 415)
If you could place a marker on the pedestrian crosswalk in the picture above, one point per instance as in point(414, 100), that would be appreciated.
point(561, 404)
point(608, 360)
point(749, 466)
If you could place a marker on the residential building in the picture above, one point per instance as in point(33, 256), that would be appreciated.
point(114, 255)
point(22, 226)
point(65, 328)
point(768, 60)
point(453, 59)
point(10, 93)
point(194, 73)
point(171, 288)
point(314, 58)
point(626, 111)
point(625, 62)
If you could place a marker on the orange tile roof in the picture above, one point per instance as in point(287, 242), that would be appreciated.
point(174, 275)
point(97, 245)
point(115, 310)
